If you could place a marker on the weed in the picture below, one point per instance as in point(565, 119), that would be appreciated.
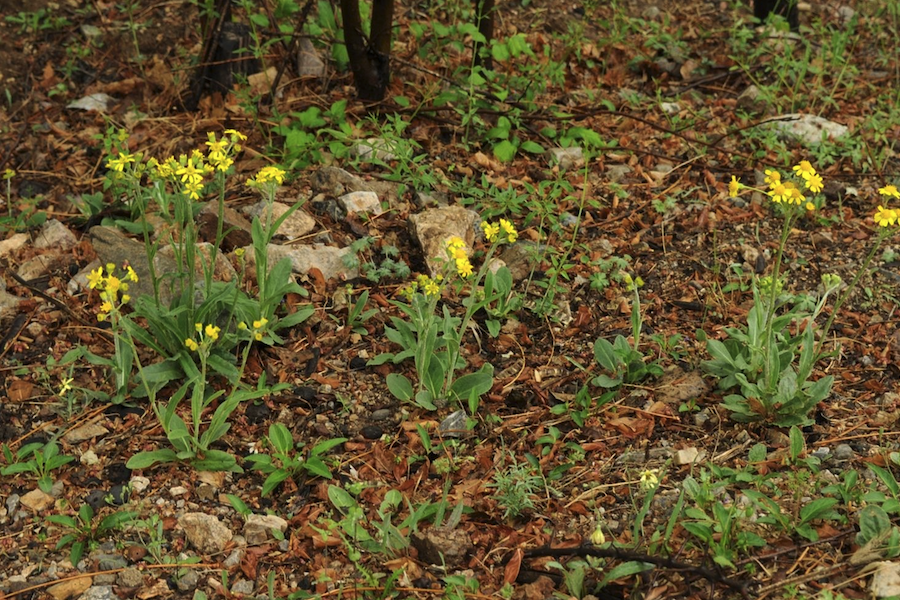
point(37, 458)
point(84, 534)
point(284, 462)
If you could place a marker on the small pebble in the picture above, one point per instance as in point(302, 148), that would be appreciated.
point(371, 432)
point(357, 363)
point(843, 452)
point(381, 414)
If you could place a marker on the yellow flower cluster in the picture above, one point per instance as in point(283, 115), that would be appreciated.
point(259, 328)
point(887, 217)
point(208, 335)
point(493, 231)
point(782, 191)
point(428, 285)
point(456, 250)
point(267, 174)
point(110, 287)
point(118, 164)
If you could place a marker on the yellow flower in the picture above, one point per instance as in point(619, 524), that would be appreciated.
point(814, 183)
point(8, 174)
point(191, 345)
point(189, 173)
point(106, 306)
point(509, 230)
point(95, 278)
point(734, 186)
point(102, 317)
point(258, 336)
point(242, 326)
point(432, 288)
point(66, 386)
point(193, 189)
point(491, 230)
point(649, 480)
point(212, 331)
point(597, 538)
point(125, 298)
point(236, 136)
point(889, 190)
point(779, 192)
point(464, 267)
point(885, 216)
point(772, 177)
point(118, 164)
point(131, 274)
point(795, 196)
point(260, 324)
point(198, 327)
point(239, 252)
point(810, 206)
point(804, 169)
point(219, 147)
point(113, 284)
point(267, 174)
point(455, 242)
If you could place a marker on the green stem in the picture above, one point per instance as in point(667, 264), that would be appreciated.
point(883, 234)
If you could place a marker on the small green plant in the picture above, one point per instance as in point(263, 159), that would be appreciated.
point(84, 534)
point(285, 462)
point(759, 358)
point(516, 487)
point(434, 341)
point(357, 315)
point(37, 458)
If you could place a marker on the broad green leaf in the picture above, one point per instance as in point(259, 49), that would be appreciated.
point(400, 386)
point(144, 460)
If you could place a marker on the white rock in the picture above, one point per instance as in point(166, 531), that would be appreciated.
point(373, 148)
point(308, 62)
point(885, 579)
point(97, 102)
point(686, 456)
point(295, 226)
point(567, 158)
point(54, 234)
point(808, 129)
point(89, 457)
point(205, 532)
point(257, 528)
point(139, 484)
point(71, 588)
point(13, 243)
point(178, 490)
point(37, 501)
point(361, 202)
point(85, 432)
point(327, 259)
point(670, 108)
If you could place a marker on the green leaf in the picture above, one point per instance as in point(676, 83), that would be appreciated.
point(532, 147)
point(817, 509)
point(605, 355)
point(281, 438)
point(400, 386)
point(217, 460)
point(757, 453)
point(316, 466)
point(505, 151)
point(479, 383)
point(323, 447)
point(144, 460)
point(340, 498)
point(239, 505)
point(797, 442)
point(274, 480)
point(499, 51)
point(874, 522)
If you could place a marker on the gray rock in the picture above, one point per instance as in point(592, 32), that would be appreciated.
point(807, 129)
point(567, 158)
point(381, 414)
point(334, 182)
point(85, 432)
point(442, 546)
point(308, 62)
point(454, 425)
point(327, 259)
point(235, 227)
point(843, 452)
point(99, 592)
point(822, 453)
point(257, 528)
point(12, 503)
point(113, 247)
point(521, 257)
point(188, 581)
point(434, 227)
point(205, 532)
point(750, 100)
point(109, 562)
point(295, 226)
point(13, 244)
point(670, 108)
point(130, 578)
point(234, 559)
point(429, 199)
point(361, 202)
point(37, 267)
point(9, 304)
point(54, 234)
point(244, 587)
point(617, 173)
point(374, 148)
